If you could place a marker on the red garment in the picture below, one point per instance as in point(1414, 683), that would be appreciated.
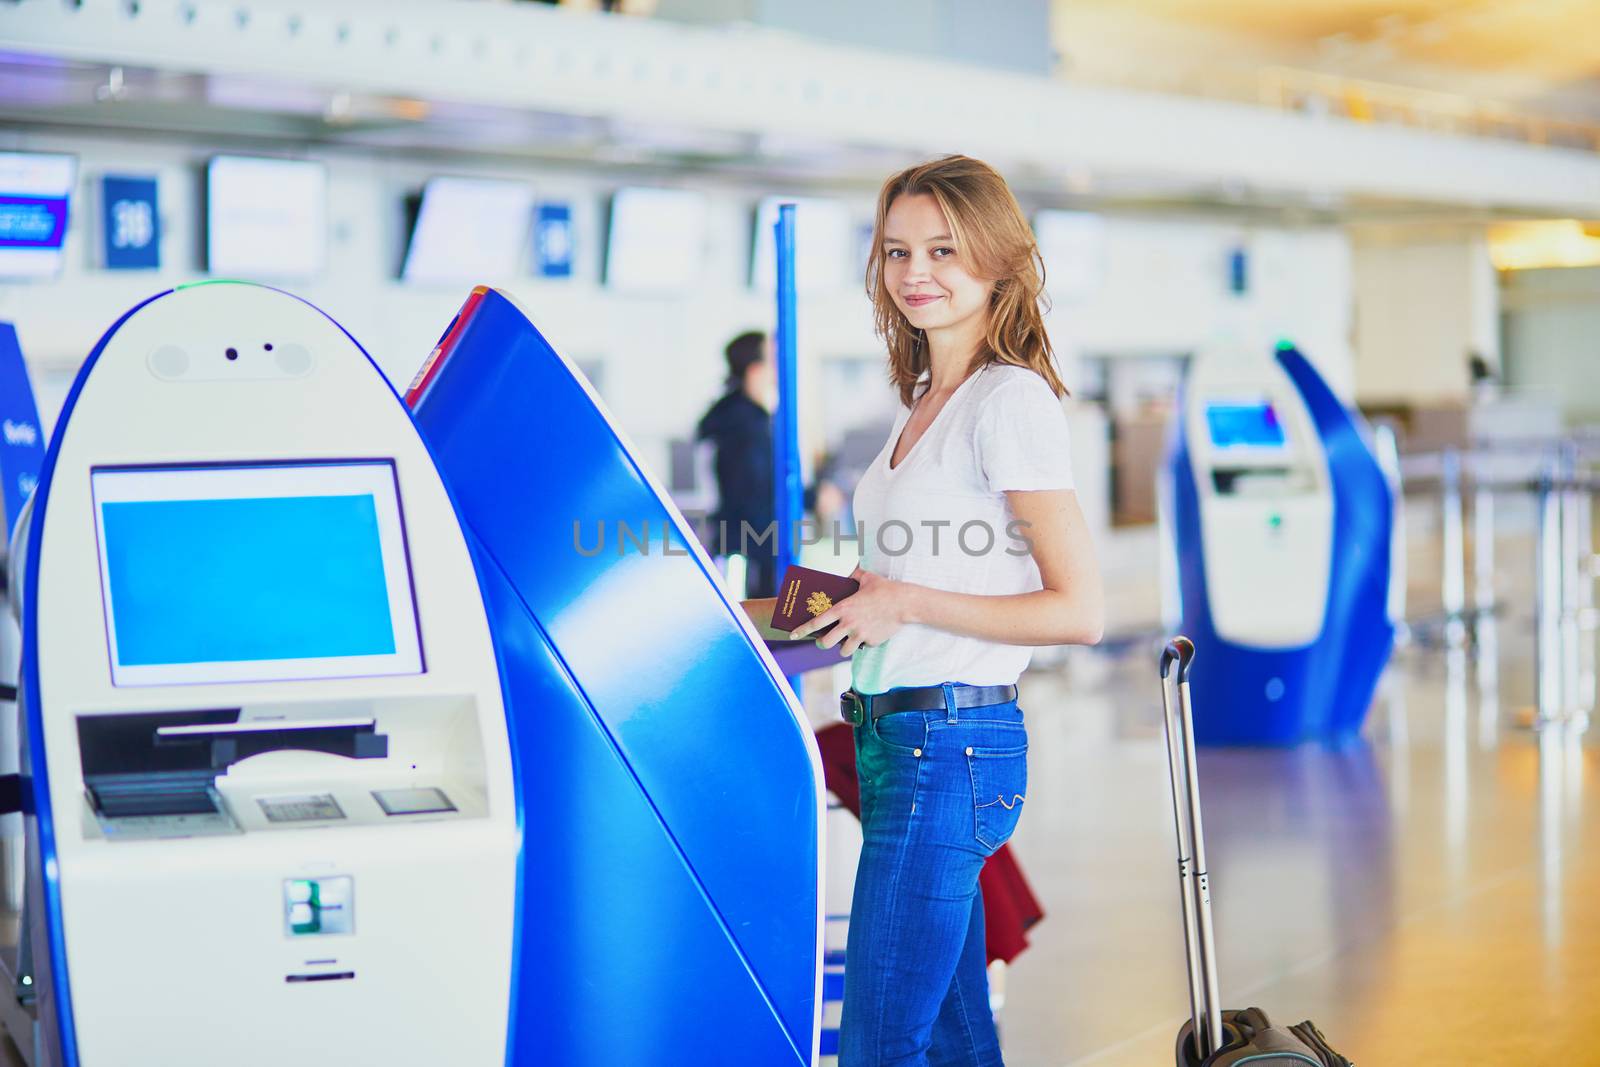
point(1009, 906)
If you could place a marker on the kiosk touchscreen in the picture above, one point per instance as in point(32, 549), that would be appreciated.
point(294, 571)
point(1244, 423)
point(265, 751)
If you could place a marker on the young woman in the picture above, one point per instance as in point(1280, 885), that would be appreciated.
point(974, 549)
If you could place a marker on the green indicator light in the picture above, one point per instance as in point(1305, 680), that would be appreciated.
point(1274, 520)
point(210, 281)
point(305, 907)
point(1285, 345)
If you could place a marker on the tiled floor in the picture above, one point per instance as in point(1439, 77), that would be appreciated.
point(1430, 895)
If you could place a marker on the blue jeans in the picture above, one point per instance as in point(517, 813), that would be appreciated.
point(940, 791)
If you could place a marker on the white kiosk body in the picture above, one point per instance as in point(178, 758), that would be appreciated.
point(274, 807)
point(1266, 504)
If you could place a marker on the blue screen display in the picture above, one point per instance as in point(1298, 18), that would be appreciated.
point(1244, 425)
point(32, 221)
point(259, 578)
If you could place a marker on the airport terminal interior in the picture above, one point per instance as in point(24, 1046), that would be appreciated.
point(374, 677)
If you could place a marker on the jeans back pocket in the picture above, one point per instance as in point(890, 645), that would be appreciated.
point(999, 787)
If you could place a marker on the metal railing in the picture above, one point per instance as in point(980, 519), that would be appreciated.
point(1561, 481)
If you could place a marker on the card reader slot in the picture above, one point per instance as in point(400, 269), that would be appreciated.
point(1257, 481)
point(231, 742)
point(262, 726)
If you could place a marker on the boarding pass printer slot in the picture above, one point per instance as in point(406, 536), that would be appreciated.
point(156, 772)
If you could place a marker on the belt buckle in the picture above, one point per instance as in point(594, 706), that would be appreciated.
point(852, 709)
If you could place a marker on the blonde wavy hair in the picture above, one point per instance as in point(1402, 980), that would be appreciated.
point(996, 243)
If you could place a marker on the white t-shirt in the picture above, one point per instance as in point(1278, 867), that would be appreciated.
point(941, 519)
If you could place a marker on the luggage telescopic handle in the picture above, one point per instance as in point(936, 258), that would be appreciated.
point(1204, 1001)
point(1202, 871)
point(1181, 649)
point(1191, 935)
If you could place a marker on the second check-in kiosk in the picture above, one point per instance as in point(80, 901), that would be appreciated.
point(1280, 522)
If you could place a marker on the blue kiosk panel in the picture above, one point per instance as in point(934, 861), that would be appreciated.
point(670, 794)
point(22, 441)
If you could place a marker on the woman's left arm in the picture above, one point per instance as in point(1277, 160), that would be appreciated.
point(1069, 610)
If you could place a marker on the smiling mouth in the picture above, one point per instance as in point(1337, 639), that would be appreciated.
point(920, 299)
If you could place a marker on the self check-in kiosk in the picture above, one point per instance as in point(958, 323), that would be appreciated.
point(1280, 526)
point(266, 771)
point(341, 742)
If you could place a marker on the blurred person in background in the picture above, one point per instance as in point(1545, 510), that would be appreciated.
point(1485, 381)
point(740, 426)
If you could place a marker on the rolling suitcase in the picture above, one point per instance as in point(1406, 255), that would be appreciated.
point(1213, 1037)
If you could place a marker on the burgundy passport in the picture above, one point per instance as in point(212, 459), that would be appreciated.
point(805, 593)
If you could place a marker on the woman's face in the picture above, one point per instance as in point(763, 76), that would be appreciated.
point(923, 268)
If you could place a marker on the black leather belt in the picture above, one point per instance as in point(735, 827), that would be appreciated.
point(853, 706)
